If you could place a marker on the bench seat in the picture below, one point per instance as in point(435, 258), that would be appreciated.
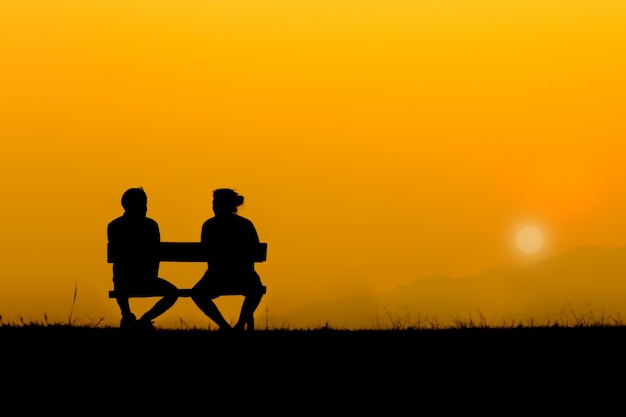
point(181, 252)
point(182, 292)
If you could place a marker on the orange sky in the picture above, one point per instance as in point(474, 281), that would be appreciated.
point(375, 142)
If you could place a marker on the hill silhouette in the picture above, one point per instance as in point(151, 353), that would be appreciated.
point(585, 283)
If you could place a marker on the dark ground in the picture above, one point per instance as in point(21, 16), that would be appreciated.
point(432, 372)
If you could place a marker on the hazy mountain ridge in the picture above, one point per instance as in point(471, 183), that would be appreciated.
point(584, 281)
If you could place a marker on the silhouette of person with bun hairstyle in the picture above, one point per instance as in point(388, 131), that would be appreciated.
point(231, 241)
point(136, 238)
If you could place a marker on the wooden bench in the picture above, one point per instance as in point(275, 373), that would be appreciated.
point(181, 252)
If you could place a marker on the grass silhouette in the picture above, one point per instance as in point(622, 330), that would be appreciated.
point(469, 366)
point(568, 318)
point(384, 368)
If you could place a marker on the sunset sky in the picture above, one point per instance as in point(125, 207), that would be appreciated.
point(375, 142)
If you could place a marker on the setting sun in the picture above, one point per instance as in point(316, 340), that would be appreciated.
point(529, 239)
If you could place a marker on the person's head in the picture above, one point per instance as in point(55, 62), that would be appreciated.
point(226, 201)
point(135, 201)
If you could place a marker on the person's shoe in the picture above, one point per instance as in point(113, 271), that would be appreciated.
point(128, 321)
point(144, 325)
point(225, 329)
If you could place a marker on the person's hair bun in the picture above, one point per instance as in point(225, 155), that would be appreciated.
point(228, 196)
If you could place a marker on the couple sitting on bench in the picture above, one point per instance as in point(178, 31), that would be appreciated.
point(231, 247)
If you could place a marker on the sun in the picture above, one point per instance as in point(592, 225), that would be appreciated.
point(529, 239)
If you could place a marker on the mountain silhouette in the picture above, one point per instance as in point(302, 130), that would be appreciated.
point(580, 286)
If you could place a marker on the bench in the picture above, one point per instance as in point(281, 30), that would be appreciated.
point(181, 252)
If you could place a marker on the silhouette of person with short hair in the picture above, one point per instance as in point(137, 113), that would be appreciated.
point(135, 239)
point(231, 242)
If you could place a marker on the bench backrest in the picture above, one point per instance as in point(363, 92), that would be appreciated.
point(187, 252)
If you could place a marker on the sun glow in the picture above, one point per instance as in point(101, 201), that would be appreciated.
point(529, 239)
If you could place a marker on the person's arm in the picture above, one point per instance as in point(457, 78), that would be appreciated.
point(117, 245)
point(253, 242)
point(205, 238)
point(154, 243)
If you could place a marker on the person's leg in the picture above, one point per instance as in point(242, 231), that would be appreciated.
point(128, 318)
point(208, 307)
point(124, 306)
point(203, 294)
point(164, 303)
point(248, 307)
